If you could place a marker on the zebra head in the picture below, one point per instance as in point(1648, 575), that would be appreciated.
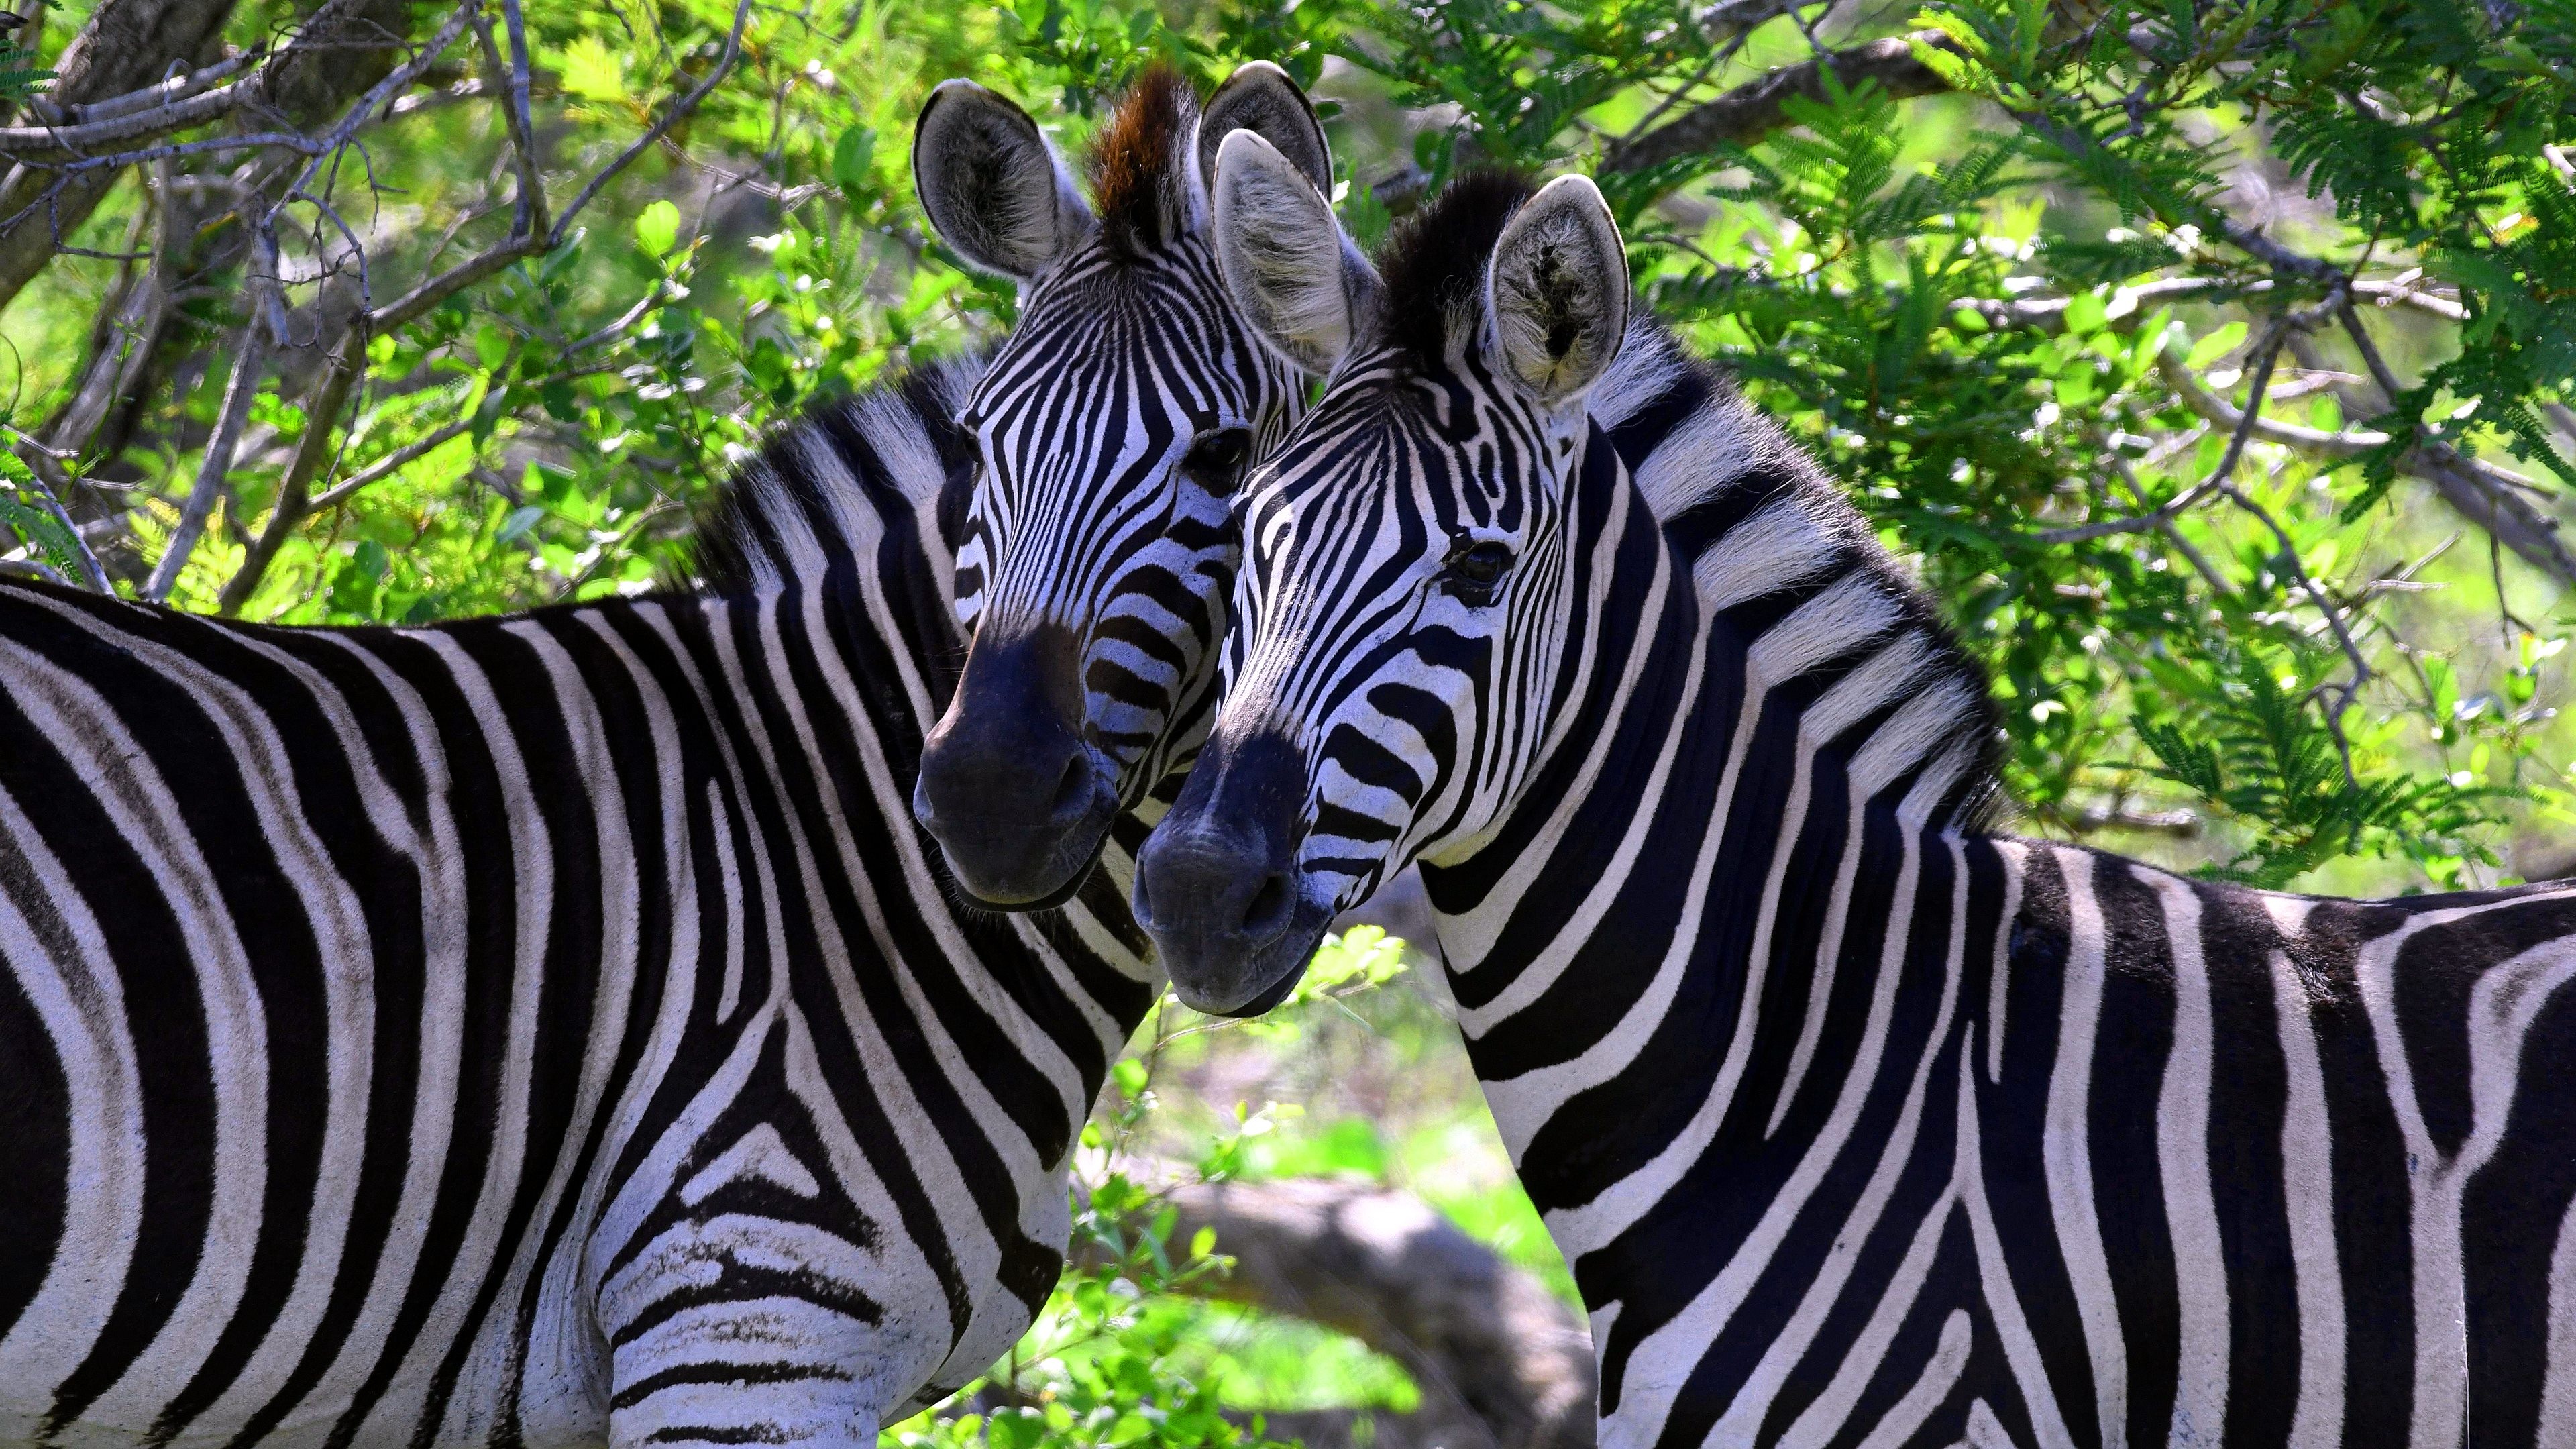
point(1114, 424)
point(1410, 578)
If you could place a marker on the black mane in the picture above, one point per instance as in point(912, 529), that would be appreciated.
point(1434, 262)
point(782, 514)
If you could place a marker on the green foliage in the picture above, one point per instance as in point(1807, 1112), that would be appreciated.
point(1988, 337)
point(22, 72)
point(24, 515)
point(2004, 318)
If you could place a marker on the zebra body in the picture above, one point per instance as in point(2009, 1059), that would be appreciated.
point(1857, 1124)
point(535, 1031)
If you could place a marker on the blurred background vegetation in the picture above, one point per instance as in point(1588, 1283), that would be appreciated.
point(2211, 362)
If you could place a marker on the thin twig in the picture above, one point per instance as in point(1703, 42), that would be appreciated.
point(29, 568)
point(679, 111)
point(92, 576)
point(406, 454)
point(251, 350)
point(321, 411)
point(2267, 352)
point(530, 216)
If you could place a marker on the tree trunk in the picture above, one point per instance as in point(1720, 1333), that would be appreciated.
point(342, 48)
point(128, 44)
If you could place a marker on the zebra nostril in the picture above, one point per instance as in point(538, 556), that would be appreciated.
point(1073, 789)
point(1266, 915)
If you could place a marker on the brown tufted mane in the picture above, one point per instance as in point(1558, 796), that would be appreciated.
point(1137, 184)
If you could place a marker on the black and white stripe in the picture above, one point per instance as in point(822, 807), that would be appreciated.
point(1858, 1124)
point(1112, 430)
point(545, 1030)
point(1087, 515)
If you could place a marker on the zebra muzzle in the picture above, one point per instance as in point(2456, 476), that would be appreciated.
point(1017, 798)
point(1218, 885)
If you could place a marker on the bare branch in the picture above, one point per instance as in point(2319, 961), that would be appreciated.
point(2155, 522)
point(415, 303)
point(125, 45)
point(400, 457)
point(1501, 1364)
point(34, 142)
point(2351, 443)
point(399, 79)
point(28, 568)
point(92, 576)
point(2389, 294)
point(294, 490)
point(162, 93)
point(530, 215)
point(250, 352)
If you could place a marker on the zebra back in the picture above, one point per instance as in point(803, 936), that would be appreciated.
point(529, 1030)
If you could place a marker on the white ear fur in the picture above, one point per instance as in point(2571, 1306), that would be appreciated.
point(1303, 285)
point(991, 184)
point(1557, 289)
point(1260, 98)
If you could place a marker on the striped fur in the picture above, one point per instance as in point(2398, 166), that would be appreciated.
point(532, 1031)
point(1089, 515)
point(1120, 363)
point(1860, 1125)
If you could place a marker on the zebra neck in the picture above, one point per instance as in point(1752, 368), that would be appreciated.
point(1728, 827)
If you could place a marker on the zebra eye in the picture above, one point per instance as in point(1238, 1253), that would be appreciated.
point(1215, 462)
point(1475, 571)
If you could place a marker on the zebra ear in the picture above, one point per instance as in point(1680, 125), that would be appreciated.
point(991, 184)
point(1305, 288)
point(1260, 98)
point(1558, 289)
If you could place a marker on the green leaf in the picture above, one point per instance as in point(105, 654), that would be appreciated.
point(1131, 1076)
point(2216, 345)
point(516, 526)
point(592, 71)
point(854, 161)
point(657, 229)
point(37, 525)
point(2085, 314)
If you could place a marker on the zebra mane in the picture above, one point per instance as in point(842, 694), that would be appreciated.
point(1432, 266)
point(831, 481)
point(1141, 163)
point(1762, 523)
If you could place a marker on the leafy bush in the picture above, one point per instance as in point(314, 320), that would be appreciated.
point(2210, 361)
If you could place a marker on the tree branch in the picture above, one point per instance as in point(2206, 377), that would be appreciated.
point(155, 110)
point(1757, 108)
point(250, 351)
point(93, 577)
point(294, 491)
point(1501, 1363)
point(126, 46)
point(400, 457)
point(679, 111)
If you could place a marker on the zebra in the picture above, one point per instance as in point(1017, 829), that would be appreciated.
point(537, 1030)
point(1857, 1122)
point(1112, 429)
point(544, 1030)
